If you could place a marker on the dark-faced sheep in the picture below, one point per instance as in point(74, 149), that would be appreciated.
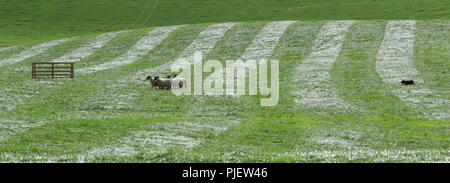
point(152, 81)
point(163, 83)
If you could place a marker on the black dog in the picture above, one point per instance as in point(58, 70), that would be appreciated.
point(408, 82)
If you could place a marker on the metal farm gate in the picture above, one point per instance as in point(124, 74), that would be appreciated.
point(52, 70)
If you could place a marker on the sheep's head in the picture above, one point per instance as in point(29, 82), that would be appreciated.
point(149, 77)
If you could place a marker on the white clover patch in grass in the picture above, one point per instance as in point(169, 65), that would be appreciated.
point(263, 45)
point(366, 154)
point(158, 138)
point(337, 138)
point(140, 49)
point(313, 74)
point(117, 96)
point(9, 127)
point(6, 48)
point(10, 98)
point(82, 52)
point(33, 51)
point(205, 118)
point(205, 43)
point(88, 49)
point(395, 62)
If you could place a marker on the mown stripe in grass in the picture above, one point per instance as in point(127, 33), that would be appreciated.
point(355, 76)
point(76, 92)
point(205, 42)
point(142, 47)
point(313, 74)
point(395, 63)
point(159, 138)
point(262, 47)
point(123, 93)
point(79, 87)
point(23, 88)
point(432, 54)
point(35, 50)
point(6, 48)
point(294, 45)
point(66, 139)
point(263, 139)
point(264, 44)
point(162, 137)
point(364, 155)
point(262, 136)
point(88, 49)
point(12, 51)
point(147, 138)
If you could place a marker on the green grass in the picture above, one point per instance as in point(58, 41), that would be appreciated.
point(32, 21)
point(108, 117)
point(69, 120)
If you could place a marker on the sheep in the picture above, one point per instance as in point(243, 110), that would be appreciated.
point(167, 83)
point(408, 82)
point(163, 83)
point(173, 81)
point(179, 81)
point(152, 81)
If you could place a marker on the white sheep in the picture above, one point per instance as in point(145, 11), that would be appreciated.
point(179, 81)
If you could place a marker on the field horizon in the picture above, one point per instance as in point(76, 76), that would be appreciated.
point(31, 22)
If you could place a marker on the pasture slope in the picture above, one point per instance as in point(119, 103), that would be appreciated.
point(340, 98)
point(340, 94)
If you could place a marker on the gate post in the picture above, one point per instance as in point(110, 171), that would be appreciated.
point(71, 70)
point(33, 70)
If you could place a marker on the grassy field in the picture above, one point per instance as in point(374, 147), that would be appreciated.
point(337, 103)
point(24, 22)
